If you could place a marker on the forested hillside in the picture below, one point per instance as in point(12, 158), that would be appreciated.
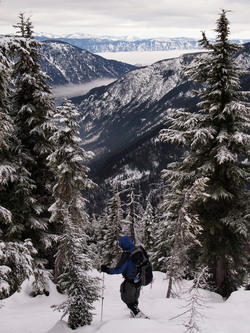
point(161, 155)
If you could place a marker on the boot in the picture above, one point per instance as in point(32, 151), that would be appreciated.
point(139, 314)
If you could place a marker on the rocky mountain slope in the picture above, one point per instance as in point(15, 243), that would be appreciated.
point(119, 114)
point(116, 116)
point(65, 63)
point(121, 122)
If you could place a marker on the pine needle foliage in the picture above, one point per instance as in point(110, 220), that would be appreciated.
point(16, 253)
point(33, 107)
point(73, 263)
point(218, 144)
point(113, 228)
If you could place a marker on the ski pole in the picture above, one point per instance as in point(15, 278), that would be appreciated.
point(102, 295)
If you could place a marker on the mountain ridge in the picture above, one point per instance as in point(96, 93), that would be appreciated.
point(121, 122)
point(101, 44)
point(65, 63)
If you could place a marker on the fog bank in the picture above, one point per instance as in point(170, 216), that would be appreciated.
point(73, 90)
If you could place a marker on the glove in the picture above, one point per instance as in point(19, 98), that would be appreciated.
point(104, 268)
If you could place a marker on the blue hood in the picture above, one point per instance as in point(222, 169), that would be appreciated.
point(126, 243)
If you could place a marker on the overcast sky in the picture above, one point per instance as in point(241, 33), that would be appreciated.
point(142, 18)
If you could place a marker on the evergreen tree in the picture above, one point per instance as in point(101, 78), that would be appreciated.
point(16, 265)
point(134, 212)
point(15, 256)
point(195, 302)
point(33, 109)
point(183, 228)
point(95, 235)
point(148, 227)
point(73, 257)
point(114, 218)
point(16, 184)
point(161, 248)
point(7, 168)
point(218, 142)
point(101, 237)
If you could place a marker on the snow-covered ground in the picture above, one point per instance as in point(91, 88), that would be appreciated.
point(21, 313)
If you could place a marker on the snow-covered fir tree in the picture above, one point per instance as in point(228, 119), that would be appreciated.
point(16, 265)
point(218, 142)
point(7, 168)
point(16, 185)
point(183, 229)
point(195, 302)
point(162, 244)
point(113, 228)
point(95, 233)
point(148, 227)
point(161, 249)
point(134, 215)
point(32, 112)
point(16, 262)
point(73, 261)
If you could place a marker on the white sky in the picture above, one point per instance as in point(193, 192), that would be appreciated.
point(142, 18)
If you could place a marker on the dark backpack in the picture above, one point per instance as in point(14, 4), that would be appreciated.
point(143, 268)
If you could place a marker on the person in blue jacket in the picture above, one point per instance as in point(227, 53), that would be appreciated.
point(130, 287)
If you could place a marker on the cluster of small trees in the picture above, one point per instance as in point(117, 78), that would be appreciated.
point(124, 214)
point(201, 222)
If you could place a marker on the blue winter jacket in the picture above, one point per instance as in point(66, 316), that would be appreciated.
point(125, 266)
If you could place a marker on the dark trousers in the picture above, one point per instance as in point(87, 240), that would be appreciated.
point(130, 293)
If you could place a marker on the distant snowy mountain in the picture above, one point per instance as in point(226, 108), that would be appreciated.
point(65, 63)
point(80, 35)
point(120, 123)
point(100, 44)
point(124, 111)
point(118, 115)
point(105, 44)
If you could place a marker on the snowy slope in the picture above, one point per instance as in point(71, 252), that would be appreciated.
point(24, 314)
point(118, 114)
point(65, 63)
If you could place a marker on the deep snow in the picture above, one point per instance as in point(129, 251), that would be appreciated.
point(22, 313)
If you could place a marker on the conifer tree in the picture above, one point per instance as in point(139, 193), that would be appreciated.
point(73, 261)
point(7, 167)
point(134, 211)
point(148, 227)
point(16, 184)
point(33, 109)
point(16, 262)
point(183, 230)
point(113, 230)
point(101, 237)
point(95, 234)
point(16, 265)
point(218, 142)
point(162, 244)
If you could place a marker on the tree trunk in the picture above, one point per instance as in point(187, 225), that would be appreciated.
point(170, 283)
point(220, 275)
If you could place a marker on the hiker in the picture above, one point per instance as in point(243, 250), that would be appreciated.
point(131, 286)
